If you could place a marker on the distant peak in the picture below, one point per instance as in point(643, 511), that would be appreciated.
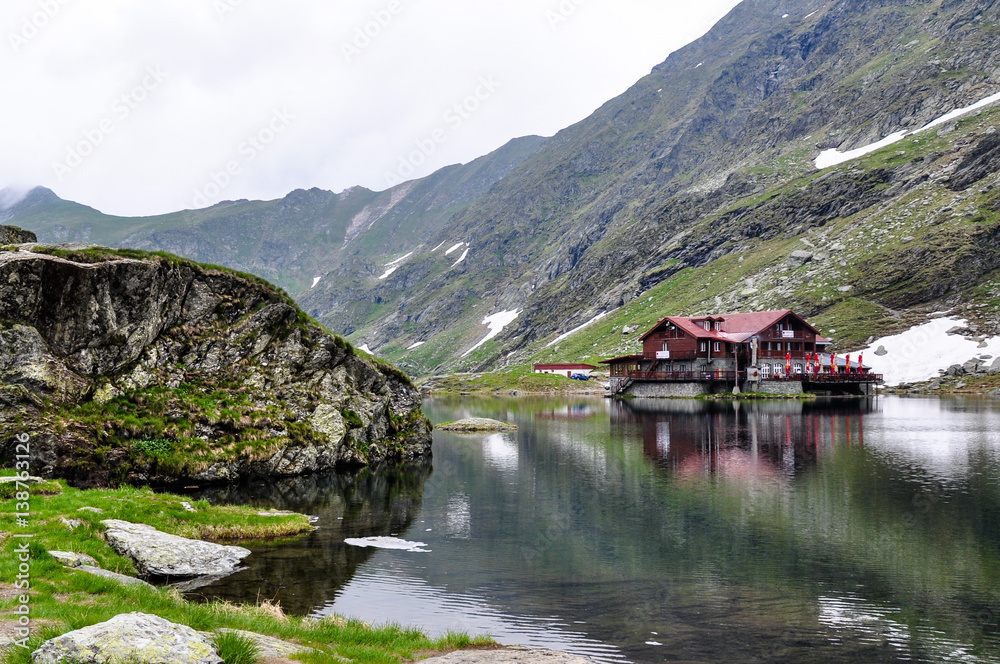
point(11, 196)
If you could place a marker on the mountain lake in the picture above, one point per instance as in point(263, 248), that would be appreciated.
point(665, 531)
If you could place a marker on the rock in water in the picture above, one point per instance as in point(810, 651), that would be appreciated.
point(174, 344)
point(509, 655)
point(159, 554)
point(474, 424)
point(131, 637)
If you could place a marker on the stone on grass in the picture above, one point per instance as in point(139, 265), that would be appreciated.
point(157, 553)
point(475, 424)
point(70, 559)
point(800, 257)
point(72, 524)
point(95, 510)
point(137, 637)
point(114, 576)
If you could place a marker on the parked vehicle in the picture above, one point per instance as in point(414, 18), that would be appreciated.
point(579, 376)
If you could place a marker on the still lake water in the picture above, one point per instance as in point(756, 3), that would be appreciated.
point(654, 531)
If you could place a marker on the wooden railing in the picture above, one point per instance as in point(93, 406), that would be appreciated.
point(683, 375)
point(731, 376)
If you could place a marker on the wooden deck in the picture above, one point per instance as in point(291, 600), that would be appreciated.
point(733, 376)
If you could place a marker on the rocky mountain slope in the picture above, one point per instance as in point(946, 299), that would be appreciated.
point(130, 366)
point(696, 190)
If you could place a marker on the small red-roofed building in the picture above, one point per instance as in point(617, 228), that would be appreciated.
point(565, 369)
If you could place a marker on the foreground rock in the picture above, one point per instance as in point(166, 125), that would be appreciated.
point(190, 353)
point(157, 553)
point(137, 637)
point(114, 576)
point(474, 424)
point(73, 560)
point(514, 655)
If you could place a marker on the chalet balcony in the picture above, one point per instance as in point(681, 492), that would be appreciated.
point(683, 376)
point(733, 376)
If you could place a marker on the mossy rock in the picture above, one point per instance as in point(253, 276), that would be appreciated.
point(477, 424)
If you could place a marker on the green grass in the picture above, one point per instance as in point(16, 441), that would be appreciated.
point(63, 600)
point(235, 648)
point(521, 380)
point(157, 427)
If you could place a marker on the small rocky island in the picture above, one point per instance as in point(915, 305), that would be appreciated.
point(134, 367)
point(476, 425)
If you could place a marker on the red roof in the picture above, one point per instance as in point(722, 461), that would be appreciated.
point(564, 367)
point(736, 328)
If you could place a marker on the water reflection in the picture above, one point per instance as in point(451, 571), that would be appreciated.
point(656, 530)
point(764, 439)
point(309, 571)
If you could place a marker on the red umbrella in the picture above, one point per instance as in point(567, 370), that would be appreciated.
point(848, 363)
point(860, 364)
point(833, 363)
point(788, 364)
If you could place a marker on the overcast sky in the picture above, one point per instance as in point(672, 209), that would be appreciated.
point(147, 106)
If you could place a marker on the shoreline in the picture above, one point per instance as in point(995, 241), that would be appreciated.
point(63, 518)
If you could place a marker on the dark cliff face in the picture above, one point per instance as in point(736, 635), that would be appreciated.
point(15, 235)
point(126, 366)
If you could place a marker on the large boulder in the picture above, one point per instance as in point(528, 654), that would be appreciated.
point(15, 235)
point(132, 637)
point(156, 553)
point(994, 368)
point(191, 352)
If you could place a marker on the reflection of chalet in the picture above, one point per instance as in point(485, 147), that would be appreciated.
point(767, 351)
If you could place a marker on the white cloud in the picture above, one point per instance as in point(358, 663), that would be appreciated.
point(354, 117)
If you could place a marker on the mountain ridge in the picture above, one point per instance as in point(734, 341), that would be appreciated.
point(708, 156)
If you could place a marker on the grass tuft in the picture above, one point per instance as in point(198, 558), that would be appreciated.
point(235, 648)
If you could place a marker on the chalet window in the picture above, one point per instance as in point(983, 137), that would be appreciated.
point(765, 370)
point(665, 346)
point(703, 346)
point(707, 325)
point(781, 326)
point(717, 347)
point(718, 326)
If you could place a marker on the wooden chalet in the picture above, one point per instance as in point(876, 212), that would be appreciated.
point(704, 354)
